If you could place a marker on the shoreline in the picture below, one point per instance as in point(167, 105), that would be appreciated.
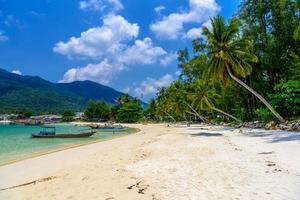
point(163, 162)
point(61, 148)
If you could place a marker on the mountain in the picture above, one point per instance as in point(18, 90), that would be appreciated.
point(34, 93)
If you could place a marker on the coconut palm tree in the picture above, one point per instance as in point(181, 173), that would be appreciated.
point(230, 55)
point(179, 97)
point(204, 97)
point(164, 105)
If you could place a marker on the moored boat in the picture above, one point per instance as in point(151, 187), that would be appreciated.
point(50, 132)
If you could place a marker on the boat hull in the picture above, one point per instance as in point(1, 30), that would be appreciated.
point(79, 135)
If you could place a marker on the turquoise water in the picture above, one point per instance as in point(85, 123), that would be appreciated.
point(16, 143)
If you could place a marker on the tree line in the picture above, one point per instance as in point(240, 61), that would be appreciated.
point(242, 69)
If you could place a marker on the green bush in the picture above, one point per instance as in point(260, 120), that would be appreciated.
point(263, 114)
point(286, 100)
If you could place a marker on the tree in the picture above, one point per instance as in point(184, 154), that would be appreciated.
point(68, 116)
point(123, 100)
point(204, 97)
point(130, 112)
point(97, 110)
point(230, 55)
point(151, 111)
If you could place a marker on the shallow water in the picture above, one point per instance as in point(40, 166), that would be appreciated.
point(16, 143)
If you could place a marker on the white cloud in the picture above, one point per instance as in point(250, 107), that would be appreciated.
point(178, 72)
point(100, 5)
point(97, 42)
point(150, 86)
point(108, 47)
point(16, 72)
point(158, 9)
point(172, 26)
point(142, 52)
point(3, 37)
point(102, 72)
point(168, 59)
point(126, 90)
point(208, 25)
point(194, 33)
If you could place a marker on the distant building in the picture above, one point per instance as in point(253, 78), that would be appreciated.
point(4, 117)
point(47, 118)
point(79, 115)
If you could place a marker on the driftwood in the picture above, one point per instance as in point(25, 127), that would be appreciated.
point(30, 183)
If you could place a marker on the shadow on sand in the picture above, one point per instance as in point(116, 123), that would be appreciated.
point(276, 136)
point(207, 134)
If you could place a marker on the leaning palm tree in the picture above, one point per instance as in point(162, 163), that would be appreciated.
point(179, 97)
point(164, 105)
point(230, 54)
point(204, 97)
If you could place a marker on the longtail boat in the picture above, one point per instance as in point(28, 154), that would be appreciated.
point(50, 132)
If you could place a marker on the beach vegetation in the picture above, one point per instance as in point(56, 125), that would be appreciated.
point(245, 68)
point(97, 111)
point(130, 112)
point(68, 116)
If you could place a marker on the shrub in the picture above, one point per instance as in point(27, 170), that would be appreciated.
point(287, 98)
point(264, 114)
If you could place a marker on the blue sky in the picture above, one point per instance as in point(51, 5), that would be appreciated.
point(129, 45)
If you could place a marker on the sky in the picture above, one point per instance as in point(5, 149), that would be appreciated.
point(129, 45)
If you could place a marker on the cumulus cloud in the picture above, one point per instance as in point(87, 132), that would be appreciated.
point(100, 5)
point(150, 86)
point(107, 46)
point(172, 25)
point(97, 42)
point(142, 52)
point(16, 72)
point(168, 59)
point(3, 37)
point(101, 72)
point(195, 33)
point(158, 9)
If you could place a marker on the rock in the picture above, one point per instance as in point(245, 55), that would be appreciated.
point(271, 125)
point(284, 127)
point(295, 126)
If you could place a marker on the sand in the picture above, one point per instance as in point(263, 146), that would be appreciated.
point(161, 162)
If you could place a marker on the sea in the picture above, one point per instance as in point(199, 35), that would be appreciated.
point(16, 142)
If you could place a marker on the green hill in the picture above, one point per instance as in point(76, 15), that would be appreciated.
point(34, 93)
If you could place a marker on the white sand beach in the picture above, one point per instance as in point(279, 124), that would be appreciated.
point(168, 163)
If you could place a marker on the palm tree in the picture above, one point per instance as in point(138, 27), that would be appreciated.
point(179, 97)
point(231, 55)
point(204, 97)
point(163, 103)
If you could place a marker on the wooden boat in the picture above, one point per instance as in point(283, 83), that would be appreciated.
point(50, 132)
point(108, 127)
point(111, 129)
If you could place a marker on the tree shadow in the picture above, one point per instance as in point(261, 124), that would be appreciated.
point(197, 129)
point(286, 138)
point(259, 134)
point(275, 136)
point(206, 134)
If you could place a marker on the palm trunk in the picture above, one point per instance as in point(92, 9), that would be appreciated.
point(169, 115)
point(194, 111)
point(229, 115)
point(255, 93)
point(196, 115)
